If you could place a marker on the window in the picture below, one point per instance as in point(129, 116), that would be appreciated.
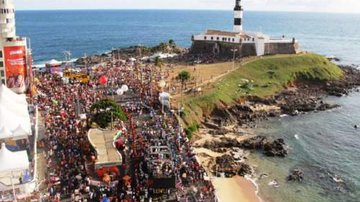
point(2, 74)
point(218, 38)
point(1, 64)
point(233, 39)
point(205, 37)
point(1, 55)
point(212, 38)
point(3, 81)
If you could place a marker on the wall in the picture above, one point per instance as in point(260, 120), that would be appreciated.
point(281, 48)
point(222, 49)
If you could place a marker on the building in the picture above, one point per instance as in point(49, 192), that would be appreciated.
point(15, 56)
point(241, 43)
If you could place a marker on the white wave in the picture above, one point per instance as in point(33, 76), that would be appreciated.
point(253, 181)
point(296, 136)
point(274, 183)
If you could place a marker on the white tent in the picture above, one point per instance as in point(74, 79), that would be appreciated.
point(14, 114)
point(13, 161)
point(53, 62)
point(5, 133)
point(20, 132)
point(8, 96)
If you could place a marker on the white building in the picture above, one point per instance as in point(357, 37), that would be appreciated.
point(251, 43)
point(15, 57)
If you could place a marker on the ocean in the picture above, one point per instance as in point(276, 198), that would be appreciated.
point(324, 145)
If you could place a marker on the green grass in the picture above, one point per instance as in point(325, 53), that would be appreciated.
point(262, 77)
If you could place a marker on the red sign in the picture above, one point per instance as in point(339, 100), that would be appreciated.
point(16, 68)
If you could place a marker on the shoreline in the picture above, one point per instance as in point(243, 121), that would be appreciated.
point(311, 100)
point(227, 189)
point(233, 189)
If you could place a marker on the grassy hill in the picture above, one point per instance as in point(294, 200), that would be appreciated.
point(262, 77)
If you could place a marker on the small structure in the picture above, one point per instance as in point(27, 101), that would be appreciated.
point(103, 142)
point(54, 67)
point(12, 168)
point(239, 43)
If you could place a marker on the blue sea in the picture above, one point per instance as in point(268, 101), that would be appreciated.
point(325, 145)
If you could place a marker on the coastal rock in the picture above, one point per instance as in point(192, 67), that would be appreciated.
point(227, 164)
point(296, 175)
point(276, 148)
point(326, 106)
point(257, 143)
point(244, 169)
point(222, 117)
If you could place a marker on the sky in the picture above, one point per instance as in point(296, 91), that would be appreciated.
point(338, 6)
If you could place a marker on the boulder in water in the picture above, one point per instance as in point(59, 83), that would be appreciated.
point(296, 175)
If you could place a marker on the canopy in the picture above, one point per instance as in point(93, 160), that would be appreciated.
point(8, 96)
point(20, 132)
point(103, 143)
point(13, 161)
point(53, 62)
point(5, 133)
point(14, 114)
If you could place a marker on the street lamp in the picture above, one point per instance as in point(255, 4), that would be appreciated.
point(234, 50)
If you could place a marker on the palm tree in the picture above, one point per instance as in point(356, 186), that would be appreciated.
point(183, 76)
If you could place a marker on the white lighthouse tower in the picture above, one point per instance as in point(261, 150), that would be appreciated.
point(238, 15)
point(7, 19)
point(15, 56)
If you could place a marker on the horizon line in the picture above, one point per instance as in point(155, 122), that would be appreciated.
point(178, 9)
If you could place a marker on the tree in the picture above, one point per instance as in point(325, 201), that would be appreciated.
point(172, 43)
point(183, 76)
point(105, 111)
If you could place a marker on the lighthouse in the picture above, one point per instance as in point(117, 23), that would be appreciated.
point(238, 15)
point(15, 56)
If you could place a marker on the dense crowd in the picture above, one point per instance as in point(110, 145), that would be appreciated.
point(160, 149)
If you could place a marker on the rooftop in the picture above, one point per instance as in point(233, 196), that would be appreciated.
point(226, 33)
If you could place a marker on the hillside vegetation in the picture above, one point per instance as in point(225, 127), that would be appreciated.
point(262, 77)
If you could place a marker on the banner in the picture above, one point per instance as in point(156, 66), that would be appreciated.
point(16, 68)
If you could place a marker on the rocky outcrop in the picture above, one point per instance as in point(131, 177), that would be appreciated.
point(255, 143)
point(227, 164)
point(296, 175)
point(244, 169)
point(275, 148)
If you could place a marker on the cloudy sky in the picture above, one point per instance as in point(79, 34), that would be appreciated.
point(341, 6)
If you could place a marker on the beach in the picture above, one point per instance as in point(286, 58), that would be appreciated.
point(235, 189)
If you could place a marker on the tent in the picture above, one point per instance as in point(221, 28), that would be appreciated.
point(53, 63)
point(14, 115)
point(8, 96)
point(13, 161)
point(5, 133)
point(20, 132)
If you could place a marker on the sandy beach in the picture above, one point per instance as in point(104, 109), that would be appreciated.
point(236, 189)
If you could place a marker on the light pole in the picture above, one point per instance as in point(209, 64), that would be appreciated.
point(234, 50)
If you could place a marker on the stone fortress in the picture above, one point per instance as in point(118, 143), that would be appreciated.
point(239, 43)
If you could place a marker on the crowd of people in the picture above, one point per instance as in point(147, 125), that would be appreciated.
point(156, 146)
